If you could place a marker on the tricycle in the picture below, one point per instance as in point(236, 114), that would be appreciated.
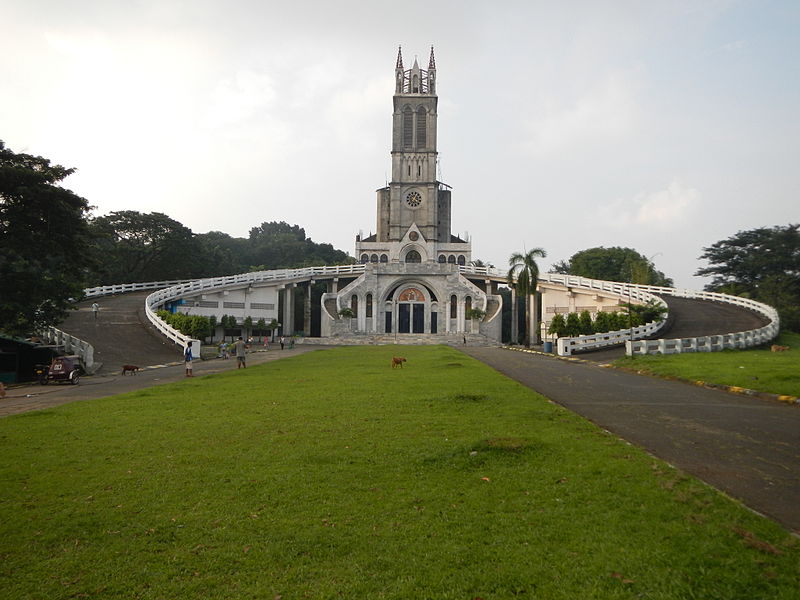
point(64, 369)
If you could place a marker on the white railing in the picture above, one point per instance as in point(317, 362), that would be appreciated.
point(643, 293)
point(492, 272)
point(72, 345)
point(565, 346)
point(126, 288)
point(159, 298)
point(633, 293)
point(713, 343)
point(173, 290)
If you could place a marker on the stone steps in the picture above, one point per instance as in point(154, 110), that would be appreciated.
point(403, 339)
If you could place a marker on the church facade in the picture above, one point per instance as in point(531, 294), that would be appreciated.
point(416, 281)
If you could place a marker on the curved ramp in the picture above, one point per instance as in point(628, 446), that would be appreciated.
point(689, 317)
point(122, 334)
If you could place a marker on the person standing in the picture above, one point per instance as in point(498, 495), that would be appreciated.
point(187, 359)
point(282, 342)
point(95, 309)
point(240, 351)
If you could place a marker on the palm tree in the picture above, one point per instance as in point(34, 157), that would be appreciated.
point(523, 276)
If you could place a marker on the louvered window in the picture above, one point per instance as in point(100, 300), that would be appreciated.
point(408, 127)
point(422, 128)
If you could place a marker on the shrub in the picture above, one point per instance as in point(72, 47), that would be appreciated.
point(585, 323)
point(573, 327)
point(557, 326)
point(601, 323)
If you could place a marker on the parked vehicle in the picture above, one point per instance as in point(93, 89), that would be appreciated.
point(65, 369)
point(41, 371)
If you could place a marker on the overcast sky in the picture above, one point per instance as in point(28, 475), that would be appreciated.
point(662, 126)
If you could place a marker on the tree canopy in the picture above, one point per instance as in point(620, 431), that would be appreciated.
point(130, 246)
point(43, 243)
point(613, 264)
point(763, 264)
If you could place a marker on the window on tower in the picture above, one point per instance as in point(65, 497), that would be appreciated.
point(413, 257)
point(408, 127)
point(422, 127)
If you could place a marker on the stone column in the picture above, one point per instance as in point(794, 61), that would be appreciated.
point(307, 310)
point(288, 309)
point(514, 317)
point(533, 326)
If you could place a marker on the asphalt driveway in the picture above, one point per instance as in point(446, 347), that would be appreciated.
point(746, 447)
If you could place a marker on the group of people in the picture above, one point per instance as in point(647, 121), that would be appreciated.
point(239, 348)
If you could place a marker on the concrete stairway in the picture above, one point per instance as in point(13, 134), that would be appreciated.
point(405, 339)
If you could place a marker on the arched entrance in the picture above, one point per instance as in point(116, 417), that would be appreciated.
point(411, 307)
point(411, 311)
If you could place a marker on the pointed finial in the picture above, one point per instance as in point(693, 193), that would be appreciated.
point(399, 64)
point(432, 61)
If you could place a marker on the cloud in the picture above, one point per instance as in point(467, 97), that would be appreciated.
point(608, 110)
point(663, 209)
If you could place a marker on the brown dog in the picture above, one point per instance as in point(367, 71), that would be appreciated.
point(776, 348)
point(397, 361)
point(131, 368)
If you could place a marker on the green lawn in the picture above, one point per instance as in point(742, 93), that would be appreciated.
point(762, 370)
point(330, 475)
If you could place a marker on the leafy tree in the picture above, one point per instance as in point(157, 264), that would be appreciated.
point(280, 245)
point(613, 264)
point(133, 246)
point(573, 327)
point(557, 326)
point(475, 313)
point(248, 324)
point(646, 313)
point(479, 263)
point(212, 324)
point(43, 243)
point(222, 254)
point(763, 264)
point(523, 275)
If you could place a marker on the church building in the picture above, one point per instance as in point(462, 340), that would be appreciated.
point(417, 281)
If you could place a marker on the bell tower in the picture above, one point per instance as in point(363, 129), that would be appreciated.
point(413, 195)
point(413, 210)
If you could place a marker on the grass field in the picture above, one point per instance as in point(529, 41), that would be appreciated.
point(762, 370)
point(330, 475)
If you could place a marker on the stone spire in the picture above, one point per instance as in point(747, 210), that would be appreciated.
point(398, 72)
point(432, 74)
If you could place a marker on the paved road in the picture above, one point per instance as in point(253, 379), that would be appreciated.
point(121, 335)
point(692, 318)
point(29, 397)
point(747, 447)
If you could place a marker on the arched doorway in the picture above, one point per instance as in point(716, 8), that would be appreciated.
point(411, 311)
